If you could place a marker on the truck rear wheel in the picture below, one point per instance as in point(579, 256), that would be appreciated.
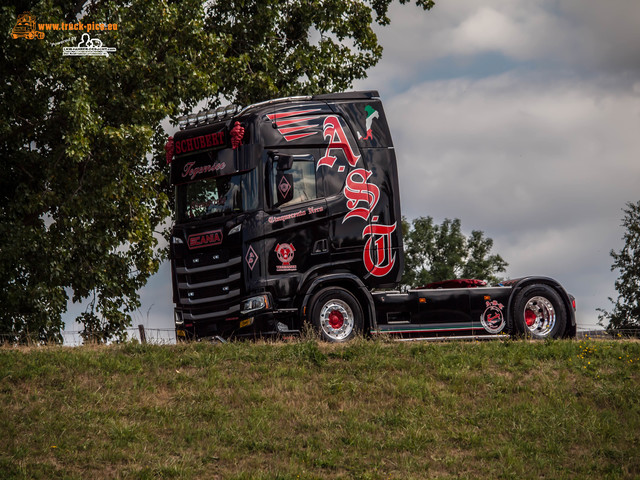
point(336, 314)
point(540, 313)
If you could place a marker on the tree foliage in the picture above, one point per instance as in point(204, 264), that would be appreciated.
point(83, 194)
point(442, 252)
point(626, 308)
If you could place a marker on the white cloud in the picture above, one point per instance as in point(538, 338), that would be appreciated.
point(487, 30)
point(606, 34)
point(589, 36)
point(560, 133)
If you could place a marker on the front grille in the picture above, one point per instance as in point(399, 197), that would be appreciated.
point(209, 285)
point(206, 274)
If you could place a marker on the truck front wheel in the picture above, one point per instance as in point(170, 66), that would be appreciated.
point(336, 314)
point(540, 313)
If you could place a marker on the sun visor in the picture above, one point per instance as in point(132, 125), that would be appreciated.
point(214, 163)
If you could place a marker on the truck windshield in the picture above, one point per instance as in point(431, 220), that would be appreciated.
point(217, 196)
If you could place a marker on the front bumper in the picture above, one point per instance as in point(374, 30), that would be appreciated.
point(254, 319)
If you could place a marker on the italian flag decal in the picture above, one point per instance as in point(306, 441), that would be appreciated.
point(371, 114)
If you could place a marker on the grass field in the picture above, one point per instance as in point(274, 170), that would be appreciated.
point(305, 409)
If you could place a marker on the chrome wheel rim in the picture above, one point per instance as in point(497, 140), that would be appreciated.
point(336, 319)
point(539, 316)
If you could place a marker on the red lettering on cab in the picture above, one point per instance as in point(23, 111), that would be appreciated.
point(198, 143)
point(205, 239)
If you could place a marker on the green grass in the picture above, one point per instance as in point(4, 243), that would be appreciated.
point(367, 410)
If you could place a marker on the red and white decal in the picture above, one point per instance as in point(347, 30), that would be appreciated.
point(360, 192)
point(362, 196)
point(206, 239)
point(284, 186)
point(294, 128)
point(197, 143)
point(299, 213)
point(378, 259)
point(337, 141)
point(192, 173)
point(492, 318)
point(371, 115)
point(251, 258)
point(285, 251)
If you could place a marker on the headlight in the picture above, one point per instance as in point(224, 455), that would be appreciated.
point(253, 304)
point(177, 240)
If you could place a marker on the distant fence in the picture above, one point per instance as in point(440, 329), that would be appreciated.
point(156, 336)
point(608, 334)
point(73, 338)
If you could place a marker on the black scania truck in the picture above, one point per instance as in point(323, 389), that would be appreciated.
point(288, 211)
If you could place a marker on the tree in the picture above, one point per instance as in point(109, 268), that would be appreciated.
point(441, 252)
point(84, 191)
point(626, 308)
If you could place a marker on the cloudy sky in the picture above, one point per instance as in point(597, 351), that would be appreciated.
point(521, 118)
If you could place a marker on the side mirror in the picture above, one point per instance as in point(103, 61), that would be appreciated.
point(284, 162)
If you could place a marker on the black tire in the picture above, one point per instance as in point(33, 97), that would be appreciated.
point(336, 315)
point(539, 313)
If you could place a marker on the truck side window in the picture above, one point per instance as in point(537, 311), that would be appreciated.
point(303, 173)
